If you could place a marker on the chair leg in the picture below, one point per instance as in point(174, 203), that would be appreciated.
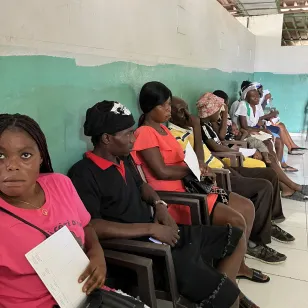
point(146, 287)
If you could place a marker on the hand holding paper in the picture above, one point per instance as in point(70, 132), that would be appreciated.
point(59, 261)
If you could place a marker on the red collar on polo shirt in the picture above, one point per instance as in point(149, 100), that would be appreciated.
point(105, 164)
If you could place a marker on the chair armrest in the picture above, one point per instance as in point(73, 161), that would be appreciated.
point(230, 155)
point(203, 206)
point(243, 144)
point(224, 178)
point(142, 267)
point(149, 250)
point(187, 200)
point(139, 247)
point(236, 158)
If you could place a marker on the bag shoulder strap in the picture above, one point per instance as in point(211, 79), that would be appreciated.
point(24, 221)
point(248, 109)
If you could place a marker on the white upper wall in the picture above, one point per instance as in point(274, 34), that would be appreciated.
point(270, 56)
point(187, 32)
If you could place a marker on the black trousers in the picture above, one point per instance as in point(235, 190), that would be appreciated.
point(261, 186)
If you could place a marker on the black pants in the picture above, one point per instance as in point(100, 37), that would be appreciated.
point(261, 186)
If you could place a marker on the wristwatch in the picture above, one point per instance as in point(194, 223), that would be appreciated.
point(161, 202)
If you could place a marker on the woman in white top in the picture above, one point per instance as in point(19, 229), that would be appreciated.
point(248, 116)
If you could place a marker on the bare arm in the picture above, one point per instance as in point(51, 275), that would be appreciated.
point(244, 125)
point(91, 239)
point(148, 194)
point(114, 230)
point(244, 134)
point(198, 143)
point(221, 130)
point(214, 147)
point(161, 171)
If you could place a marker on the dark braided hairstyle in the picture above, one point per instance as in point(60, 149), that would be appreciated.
point(27, 124)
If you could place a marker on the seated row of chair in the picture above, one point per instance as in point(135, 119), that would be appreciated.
point(130, 193)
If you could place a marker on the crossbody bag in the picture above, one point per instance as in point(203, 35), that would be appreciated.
point(98, 298)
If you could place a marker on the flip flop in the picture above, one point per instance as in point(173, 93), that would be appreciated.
point(247, 303)
point(297, 196)
point(299, 149)
point(305, 190)
point(292, 153)
point(257, 276)
point(289, 169)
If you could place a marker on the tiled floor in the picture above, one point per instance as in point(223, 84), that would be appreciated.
point(289, 281)
point(288, 287)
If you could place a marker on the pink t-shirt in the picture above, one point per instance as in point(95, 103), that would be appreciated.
point(20, 287)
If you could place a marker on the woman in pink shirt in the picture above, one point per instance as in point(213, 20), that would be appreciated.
point(30, 190)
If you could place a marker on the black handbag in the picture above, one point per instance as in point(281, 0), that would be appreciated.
point(98, 298)
point(193, 185)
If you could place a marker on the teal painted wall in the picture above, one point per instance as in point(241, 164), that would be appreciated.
point(56, 93)
point(290, 93)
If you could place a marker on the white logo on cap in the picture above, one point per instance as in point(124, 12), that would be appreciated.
point(120, 109)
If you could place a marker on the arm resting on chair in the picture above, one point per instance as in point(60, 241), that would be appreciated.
point(236, 158)
point(243, 144)
point(223, 178)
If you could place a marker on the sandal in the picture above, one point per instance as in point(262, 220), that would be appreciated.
point(257, 276)
point(299, 149)
point(289, 169)
point(297, 196)
point(305, 190)
point(297, 154)
point(247, 303)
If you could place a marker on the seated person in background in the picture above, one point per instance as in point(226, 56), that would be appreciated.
point(30, 190)
point(252, 142)
point(120, 206)
point(227, 130)
point(265, 194)
point(290, 189)
point(278, 149)
point(276, 127)
point(209, 108)
point(162, 160)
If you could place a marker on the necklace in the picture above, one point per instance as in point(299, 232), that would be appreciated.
point(44, 211)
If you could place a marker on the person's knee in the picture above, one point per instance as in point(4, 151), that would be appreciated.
point(245, 207)
point(248, 210)
point(237, 220)
point(272, 176)
point(282, 126)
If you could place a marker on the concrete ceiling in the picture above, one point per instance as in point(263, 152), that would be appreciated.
point(264, 7)
point(295, 24)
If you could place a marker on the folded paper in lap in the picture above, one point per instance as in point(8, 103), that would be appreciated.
point(59, 261)
point(261, 136)
point(247, 152)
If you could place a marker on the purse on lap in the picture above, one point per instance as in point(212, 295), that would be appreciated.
point(98, 298)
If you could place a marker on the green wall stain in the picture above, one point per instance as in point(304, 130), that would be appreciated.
point(57, 93)
point(290, 94)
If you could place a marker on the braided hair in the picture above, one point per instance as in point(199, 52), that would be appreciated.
point(28, 125)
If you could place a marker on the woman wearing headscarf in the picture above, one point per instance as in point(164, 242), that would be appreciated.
point(258, 120)
point(275, 126)
point(209, 108)
point(247, 116)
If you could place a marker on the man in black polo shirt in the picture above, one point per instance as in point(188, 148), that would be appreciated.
point(120, 205)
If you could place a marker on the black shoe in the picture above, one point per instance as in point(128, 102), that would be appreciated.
point(265, 254)
point(280, 235)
